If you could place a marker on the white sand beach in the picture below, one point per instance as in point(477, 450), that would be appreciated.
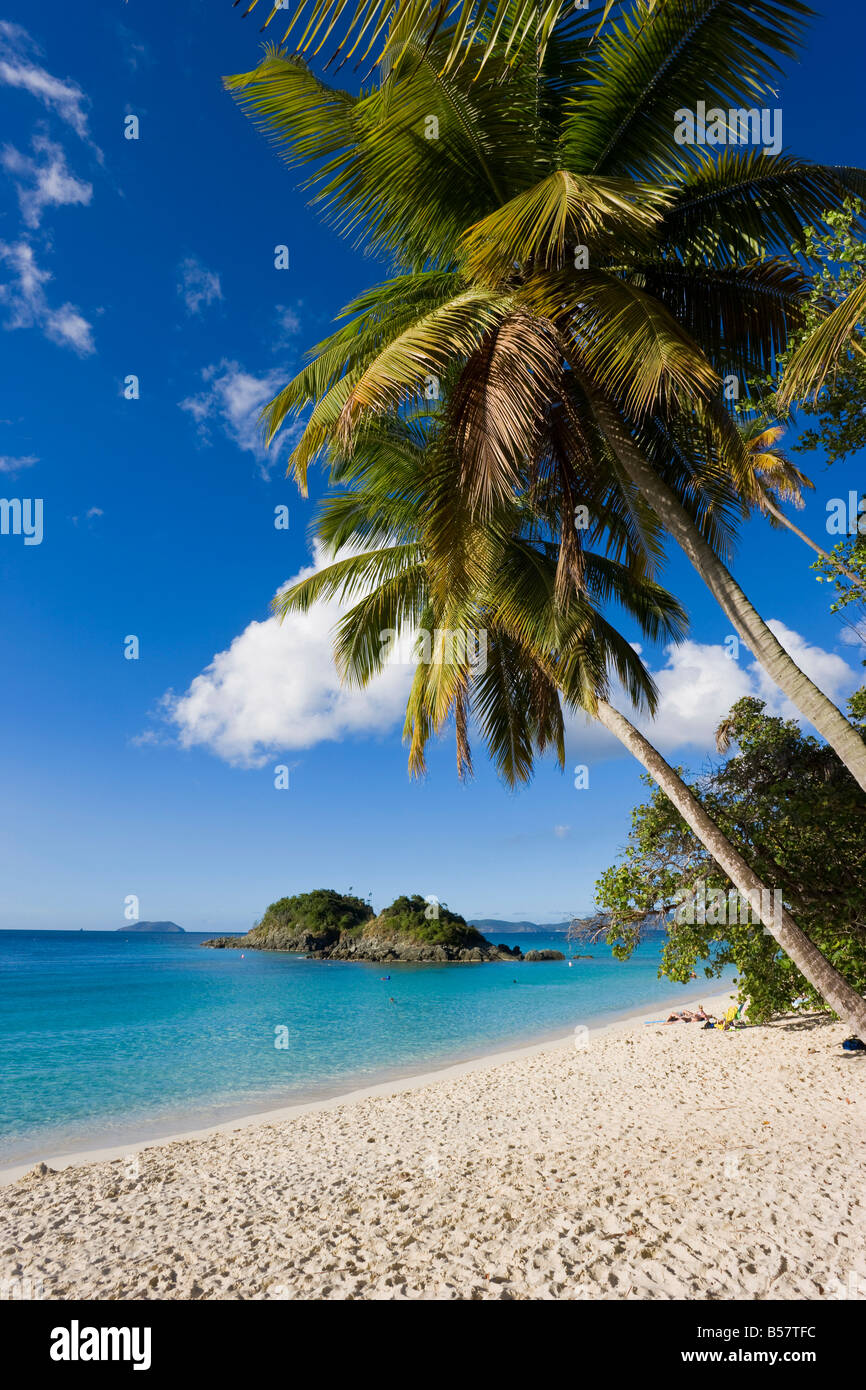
point(646, 1162)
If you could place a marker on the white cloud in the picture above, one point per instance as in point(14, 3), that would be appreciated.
point(275, 689)
point(853, 633)
point(43, 183)
point(94, 511)
point(18, 68)
point(198, 286)
point(135, 51)
point(233, 401)
point(561, 831)
point(829, 672)
point(14, 465)
point(27, 304)
point(288, 324)
point(697, 686)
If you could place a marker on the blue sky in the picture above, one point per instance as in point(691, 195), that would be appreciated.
point(155, 258)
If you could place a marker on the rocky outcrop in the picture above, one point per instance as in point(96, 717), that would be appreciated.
point(544, 955)
point(390, 949)
point(329, 926)
point(385, 948)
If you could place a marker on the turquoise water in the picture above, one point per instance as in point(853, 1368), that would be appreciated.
point(106, 1037)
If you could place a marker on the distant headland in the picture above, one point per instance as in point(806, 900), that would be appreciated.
point(488, 924)
point(151, 927)
point(327, 925)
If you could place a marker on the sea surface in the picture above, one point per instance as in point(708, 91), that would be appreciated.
point(110, 1037)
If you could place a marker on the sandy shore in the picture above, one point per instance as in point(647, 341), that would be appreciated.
point(644, 1162)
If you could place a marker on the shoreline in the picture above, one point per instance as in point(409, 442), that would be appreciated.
point(661, 1162)
point(397, 1084)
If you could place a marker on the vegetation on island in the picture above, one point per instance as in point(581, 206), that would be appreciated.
point(321, 914)
point(427, 921)
point(340, 927)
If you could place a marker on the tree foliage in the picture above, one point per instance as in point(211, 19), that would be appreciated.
point(836, 255)
point(320, 912)
point(414, 916)
point(799, 819)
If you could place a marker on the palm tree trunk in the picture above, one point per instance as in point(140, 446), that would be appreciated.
point(812, 963)
point(825, 554)
point(747, 622)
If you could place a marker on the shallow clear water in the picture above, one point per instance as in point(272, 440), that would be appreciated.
point(105, 1037)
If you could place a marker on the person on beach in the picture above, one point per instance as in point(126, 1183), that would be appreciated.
point(699, 1015)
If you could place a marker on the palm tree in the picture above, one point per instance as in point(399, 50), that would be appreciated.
point(592, 279)
point(422, 560)
point(777, 480)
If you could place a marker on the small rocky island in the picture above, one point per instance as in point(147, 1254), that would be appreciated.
point(326, 925)
point(151, 927)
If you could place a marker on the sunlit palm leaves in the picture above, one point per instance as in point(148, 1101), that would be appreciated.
point(540, 228)
point(672, 39)
point(379, 30)
point(683, 279)
point(576, 284)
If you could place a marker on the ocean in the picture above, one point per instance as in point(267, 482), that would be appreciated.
point(106, 1038)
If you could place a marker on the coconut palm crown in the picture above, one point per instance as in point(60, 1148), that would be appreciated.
point(591, 289)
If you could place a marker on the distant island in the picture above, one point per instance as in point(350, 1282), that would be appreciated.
point(488, 924)
point(151, 927)
point(326, 925)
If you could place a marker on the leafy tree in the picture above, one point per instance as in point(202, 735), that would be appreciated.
point(824, 367)
point(834, 396)
point(415, 917)
point(800, 820)
point(321, 913)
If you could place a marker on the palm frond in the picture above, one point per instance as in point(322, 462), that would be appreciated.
point(823, 350)
point(623, 338)
point(741, 315)
point(543, 225)
point(498, 403)
point(425, 350)
point(652, 64)
point(378, 31)
point(747, 203)
point(347, 577)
